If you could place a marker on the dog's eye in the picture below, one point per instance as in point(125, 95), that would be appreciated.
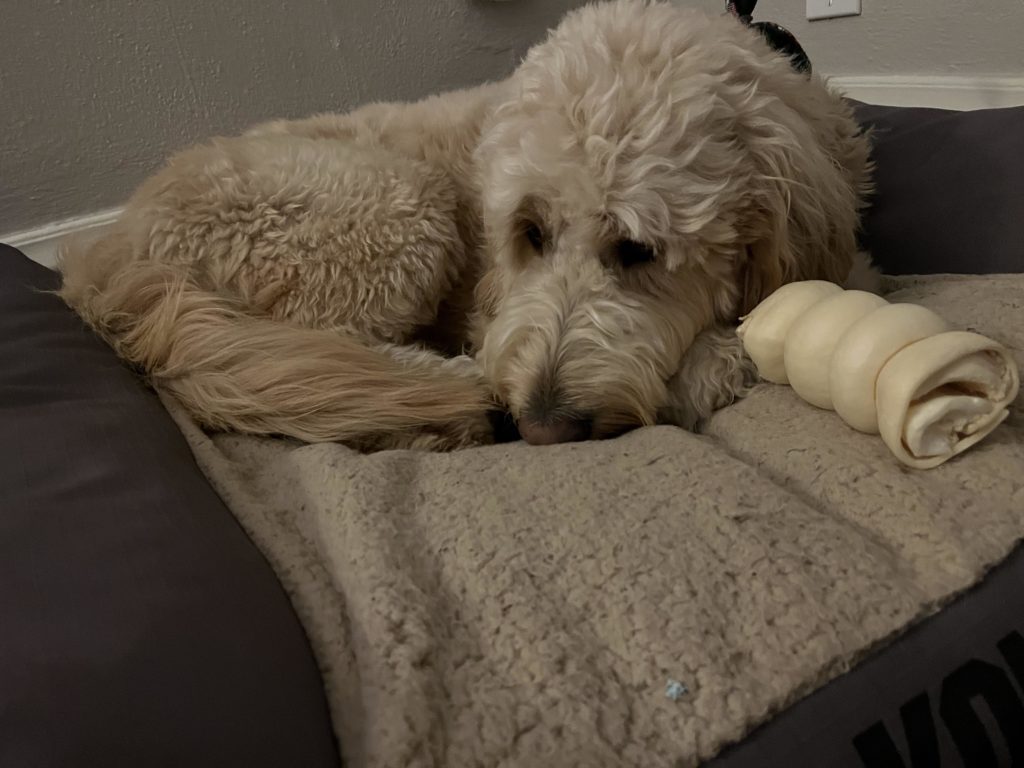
point(630, 253)
point(533, 235)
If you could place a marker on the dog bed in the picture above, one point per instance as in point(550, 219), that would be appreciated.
point(523, 606)
point(141, 627)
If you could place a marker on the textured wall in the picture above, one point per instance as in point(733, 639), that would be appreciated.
point(905, 37)
point(93, 95)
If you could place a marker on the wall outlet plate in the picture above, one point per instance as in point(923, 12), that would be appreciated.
point(830, 9)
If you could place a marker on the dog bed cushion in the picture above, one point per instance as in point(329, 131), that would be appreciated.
point(139, 626)
point(524, 606)
point(943, 694)
point(949, 190)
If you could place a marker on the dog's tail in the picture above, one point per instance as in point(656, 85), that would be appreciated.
point(235, 370)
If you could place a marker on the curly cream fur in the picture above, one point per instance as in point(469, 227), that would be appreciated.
point(309, 277)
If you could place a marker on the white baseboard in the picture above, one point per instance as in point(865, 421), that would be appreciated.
point(42, 244)
point(940, 91)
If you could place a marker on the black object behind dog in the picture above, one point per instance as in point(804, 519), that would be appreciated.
point(777, 36)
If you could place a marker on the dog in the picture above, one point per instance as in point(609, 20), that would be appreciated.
point(571, 246)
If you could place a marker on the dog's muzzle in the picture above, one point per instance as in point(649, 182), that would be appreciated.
point(560, 429)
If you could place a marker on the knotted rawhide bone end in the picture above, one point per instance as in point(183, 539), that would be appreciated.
point(939, 396)
point(893, 369)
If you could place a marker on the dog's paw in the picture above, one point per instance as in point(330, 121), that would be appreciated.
point(714, 373)
point(463, 365)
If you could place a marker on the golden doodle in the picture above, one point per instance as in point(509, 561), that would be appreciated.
point(571, 246)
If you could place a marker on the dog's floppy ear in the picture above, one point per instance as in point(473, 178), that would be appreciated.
point(486, 301)
point(761, 273)
point(488, 292)
point(810, 172)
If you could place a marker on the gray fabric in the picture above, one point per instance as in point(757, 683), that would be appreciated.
point(523, 606)
point(138, 624)
point(917, 697)
point(950, 190)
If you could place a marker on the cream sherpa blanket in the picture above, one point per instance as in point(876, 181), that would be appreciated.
point(525, 606)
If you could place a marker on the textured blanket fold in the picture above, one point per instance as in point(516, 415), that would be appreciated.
point(526, 606)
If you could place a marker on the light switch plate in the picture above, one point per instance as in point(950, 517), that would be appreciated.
point(830, 9)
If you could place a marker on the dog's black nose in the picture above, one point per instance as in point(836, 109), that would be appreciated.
point(555, 430)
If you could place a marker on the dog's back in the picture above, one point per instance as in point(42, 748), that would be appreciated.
point(269, 281)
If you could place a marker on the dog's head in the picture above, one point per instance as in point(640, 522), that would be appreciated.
point(652, 171)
